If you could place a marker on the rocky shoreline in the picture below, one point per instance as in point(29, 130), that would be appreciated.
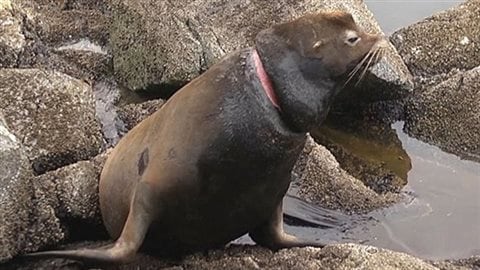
point(75, 76)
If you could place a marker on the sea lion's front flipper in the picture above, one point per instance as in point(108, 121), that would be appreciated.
point(271, 234)
point(139, 219)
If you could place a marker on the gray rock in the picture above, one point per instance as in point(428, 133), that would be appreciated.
point(171, 42)
point(37, 212)
point(133, 114)
point(27, 223)
point(38, 55)
point(354, 256)
point(447, 40)
point(338, 257)
point(447, 114)
point(93, 65)
point(52, 114)
point(53, 36)
point(335, 257)
point(65, 205)
point(71, 191)
point(66, 202)
point(12, 40)
point(318, 178)
point(55, 24)
point(15, 194)
point(101, 5)
point(461, 264)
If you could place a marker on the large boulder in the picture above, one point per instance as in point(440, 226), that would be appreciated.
point(52, 114)
point(443, 52)
point(82, 60)
point(66, 36)
point(91, 63)
point(43, 211)
point(168, 43)
point(447, 114)
point(27, 222)
point(459, 264)
point(342, 256)
point(447, 40)
point(15, 194)
point(101, 5)
point(67, 200)
point(12, 40)
point(55, 23)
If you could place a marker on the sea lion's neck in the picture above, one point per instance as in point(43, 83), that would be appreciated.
point(302, 85)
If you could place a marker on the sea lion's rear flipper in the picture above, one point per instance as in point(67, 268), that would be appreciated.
point(271, 234)
point(130, 240)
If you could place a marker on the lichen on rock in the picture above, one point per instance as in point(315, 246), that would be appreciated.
point(442, 42)
point(52, 114)
point(448, 114)
point(196, 34)
point(12, 39)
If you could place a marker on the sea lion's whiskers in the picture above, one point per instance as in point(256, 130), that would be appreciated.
point(359, 65)
point(371, 62)
point(366, 67)
point(380, 54)
point(357, 68)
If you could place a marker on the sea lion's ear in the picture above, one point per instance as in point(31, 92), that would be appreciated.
point(318, 44)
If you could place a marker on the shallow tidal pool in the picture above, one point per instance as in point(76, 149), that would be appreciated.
point(441, 217)
point(438, 219)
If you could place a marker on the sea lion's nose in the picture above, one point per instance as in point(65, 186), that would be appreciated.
point(381, 43)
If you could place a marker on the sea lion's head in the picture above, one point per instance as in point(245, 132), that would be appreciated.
point(330, 37)
point(307, 58)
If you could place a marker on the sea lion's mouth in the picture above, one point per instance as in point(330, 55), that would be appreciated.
point(361, 66)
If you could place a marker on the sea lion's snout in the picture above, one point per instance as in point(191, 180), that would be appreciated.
point(368, 54)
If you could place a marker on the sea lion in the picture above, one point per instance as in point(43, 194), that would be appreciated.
point(214, 162)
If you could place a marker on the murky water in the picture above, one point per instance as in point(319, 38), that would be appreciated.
point(440, 218)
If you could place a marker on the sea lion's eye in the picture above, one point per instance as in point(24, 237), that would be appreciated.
point(352, 40)
point(351, 37)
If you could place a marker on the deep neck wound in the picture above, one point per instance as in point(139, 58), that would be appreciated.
point(265, 81)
